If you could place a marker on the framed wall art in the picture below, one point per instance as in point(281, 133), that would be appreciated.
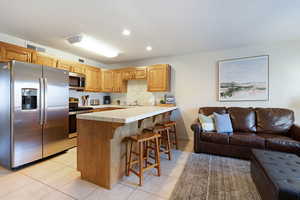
point(244, 79)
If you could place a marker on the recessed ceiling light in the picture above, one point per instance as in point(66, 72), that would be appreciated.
point(126, 32)
point(93, 45)
point(149, 48)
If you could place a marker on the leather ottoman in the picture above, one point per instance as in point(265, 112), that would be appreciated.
point(276, 174)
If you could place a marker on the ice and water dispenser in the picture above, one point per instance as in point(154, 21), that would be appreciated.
point(29, 98)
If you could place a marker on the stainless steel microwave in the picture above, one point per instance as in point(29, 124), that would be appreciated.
point(76, 81)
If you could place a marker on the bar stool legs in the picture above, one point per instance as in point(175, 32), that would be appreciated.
point(173, 131)
point(165, 142)
point(143, 144)
point(141, 162)
point(157, 156)
point(175, 142)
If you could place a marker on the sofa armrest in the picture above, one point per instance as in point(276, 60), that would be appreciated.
point(196, 127)
point(295, 132)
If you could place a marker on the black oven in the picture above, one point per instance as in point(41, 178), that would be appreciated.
point(73, 111)
point(72, 125)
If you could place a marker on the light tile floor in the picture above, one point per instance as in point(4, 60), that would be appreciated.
point(58, 179)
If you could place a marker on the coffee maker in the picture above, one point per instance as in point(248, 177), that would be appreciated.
point(106, 100)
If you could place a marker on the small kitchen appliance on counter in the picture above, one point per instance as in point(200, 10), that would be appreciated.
point(170, 99)
point(106, 100)
point(95, 102)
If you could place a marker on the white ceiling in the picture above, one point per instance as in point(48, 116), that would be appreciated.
point(171, 27)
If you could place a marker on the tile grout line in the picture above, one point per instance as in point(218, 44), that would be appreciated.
point(18, 188)
point(49, 186)
point(209, 174)
point(130, 193)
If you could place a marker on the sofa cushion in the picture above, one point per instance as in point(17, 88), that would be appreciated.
point(243, 119)
point(247, 139)
point(215, 138)
point(223, 123)
point(210, 110)
point(283, 144)
point(270, 136)
point(274, 120)
point(207, 123)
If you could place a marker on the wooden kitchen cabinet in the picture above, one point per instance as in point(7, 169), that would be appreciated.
point(158, 78)
point(107, 82)
point(128, 74)
point(134, 73)
point(45, 60)
point(140, 73)
point(65, 64)
point(10, 52)
point(93, 79)
point(119, 85)
point(78, 68)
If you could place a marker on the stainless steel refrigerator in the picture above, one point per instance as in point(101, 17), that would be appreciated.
point(34, 111)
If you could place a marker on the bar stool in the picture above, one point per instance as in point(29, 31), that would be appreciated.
point(164, 141)
point(144, 143)
point(172, 126)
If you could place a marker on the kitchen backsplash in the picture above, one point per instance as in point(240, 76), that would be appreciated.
point(137, 91)
point(77, 94)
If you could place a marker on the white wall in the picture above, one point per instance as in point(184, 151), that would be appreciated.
point(195, 78)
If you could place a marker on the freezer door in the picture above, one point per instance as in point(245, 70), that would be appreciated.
point(26, 103)
point(55, 132)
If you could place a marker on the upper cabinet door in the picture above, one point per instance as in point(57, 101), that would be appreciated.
point(93, 79)
point(10, 52)
point(118, 82)
point(78, 68)
point(158, 78)
point(132, 73)
point(65, 64)
point(107, 81)
point(127, 74)
point(45, 60)
point(140, 73)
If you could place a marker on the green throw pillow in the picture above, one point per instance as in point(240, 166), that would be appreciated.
point(207, 123)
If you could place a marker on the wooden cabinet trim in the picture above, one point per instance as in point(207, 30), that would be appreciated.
point(45, 60)
point(14, 52)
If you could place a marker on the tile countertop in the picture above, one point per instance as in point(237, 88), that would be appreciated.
point(126, 115)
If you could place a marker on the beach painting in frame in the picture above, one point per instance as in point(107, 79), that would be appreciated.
point(244, 79)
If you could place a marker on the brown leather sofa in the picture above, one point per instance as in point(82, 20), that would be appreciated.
point(260, 128)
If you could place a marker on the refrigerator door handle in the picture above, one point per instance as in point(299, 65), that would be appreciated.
point(45, 100)
point(41, 101)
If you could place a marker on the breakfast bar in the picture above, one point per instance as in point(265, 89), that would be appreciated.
point(101, 153)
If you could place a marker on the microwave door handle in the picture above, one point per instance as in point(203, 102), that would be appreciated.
point(41, 101)
point(45, 100)
point(82, 83)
